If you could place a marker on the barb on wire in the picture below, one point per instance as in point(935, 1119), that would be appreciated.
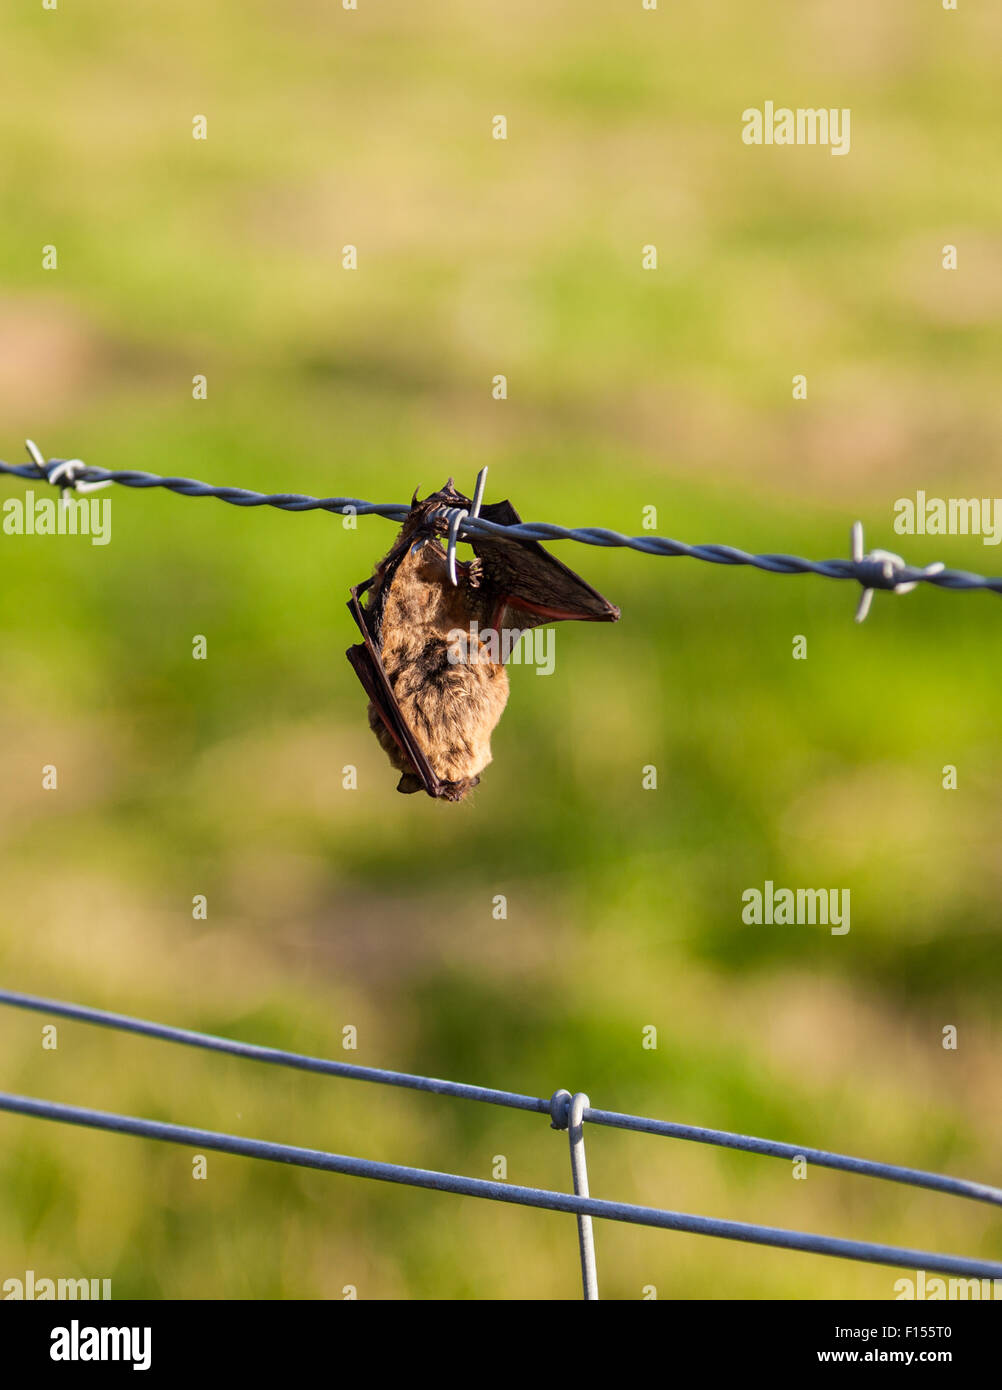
point(65, 473)
point(85, 474)
point(892, 566)
point(565, 1112)
point(877, 570)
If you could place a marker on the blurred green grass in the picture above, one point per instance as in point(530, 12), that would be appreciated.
point(627, 389)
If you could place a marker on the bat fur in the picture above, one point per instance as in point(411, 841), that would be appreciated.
point(451, 707)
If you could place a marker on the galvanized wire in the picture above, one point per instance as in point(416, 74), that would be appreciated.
point(275, 1056)
point(871, 1168)
point(565, 1111)
point(575, 1113)
point(499, 1191)
point(820, 1158)
point(872, 572)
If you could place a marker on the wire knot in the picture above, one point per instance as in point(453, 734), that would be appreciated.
point(880, 569)
point(62, 473)
point(560, 1109)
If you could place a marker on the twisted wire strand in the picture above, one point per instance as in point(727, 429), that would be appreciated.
point(871, 573)
point(236, 496)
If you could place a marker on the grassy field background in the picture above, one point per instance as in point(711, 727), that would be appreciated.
point(627, 388)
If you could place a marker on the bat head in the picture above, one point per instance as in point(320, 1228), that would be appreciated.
point(522, 585)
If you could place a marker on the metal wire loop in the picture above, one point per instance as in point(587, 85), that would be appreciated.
point(560, 1109)
point(62, 473)
point(888, 567)
point(457, 515)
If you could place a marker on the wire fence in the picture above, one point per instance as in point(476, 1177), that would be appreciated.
point(565, 1112)
point(877, 569)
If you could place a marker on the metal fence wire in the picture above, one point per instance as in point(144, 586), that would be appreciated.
point(877, 569)
point(565, 1112)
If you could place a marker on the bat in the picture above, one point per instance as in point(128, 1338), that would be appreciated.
point(431, 661)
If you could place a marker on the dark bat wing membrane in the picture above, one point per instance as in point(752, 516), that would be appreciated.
point(534, 584)
point(368, 666)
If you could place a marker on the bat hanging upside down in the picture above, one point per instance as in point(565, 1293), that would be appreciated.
point(432, 662)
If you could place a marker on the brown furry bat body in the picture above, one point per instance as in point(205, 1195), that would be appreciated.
point(452, 707)
point(436, 690)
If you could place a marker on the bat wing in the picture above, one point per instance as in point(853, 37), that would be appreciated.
point(368, 666)
point(531, 582)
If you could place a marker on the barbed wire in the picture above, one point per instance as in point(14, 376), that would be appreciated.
point(565, 1112)
point(878, 569)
